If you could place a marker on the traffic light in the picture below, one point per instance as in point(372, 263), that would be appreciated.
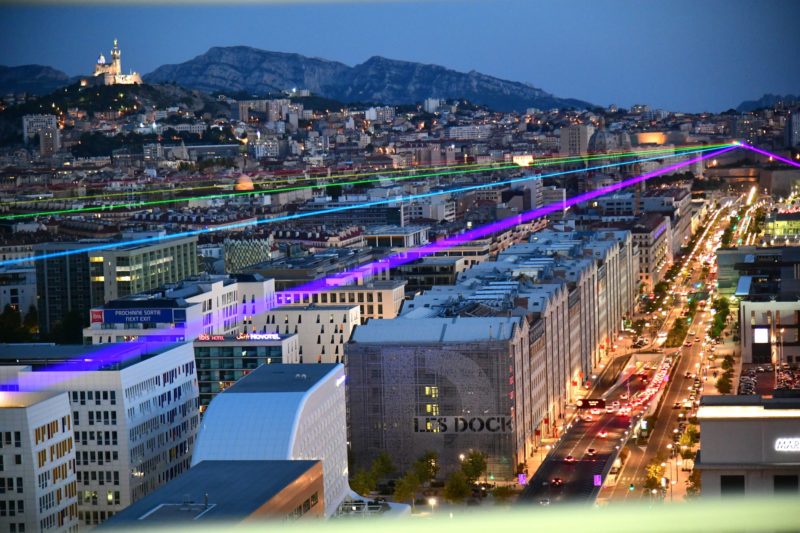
point(631, 487)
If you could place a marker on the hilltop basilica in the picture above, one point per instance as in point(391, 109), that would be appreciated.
point(111, 73)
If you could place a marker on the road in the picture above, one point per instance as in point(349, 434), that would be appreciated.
point(604, 433)
point(690, 360)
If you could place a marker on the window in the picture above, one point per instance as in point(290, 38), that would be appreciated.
point(785, 484)
point(731, 485)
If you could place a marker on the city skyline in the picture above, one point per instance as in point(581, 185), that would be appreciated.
point(599, 62)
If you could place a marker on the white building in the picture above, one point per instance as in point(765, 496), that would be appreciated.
point(37, 463)
point(211, 305)
point(749, 446)
point(33, 124)
point(376, 299)
point(281, 412)
point(134, 419)
point(18, 288)
point(323, 330)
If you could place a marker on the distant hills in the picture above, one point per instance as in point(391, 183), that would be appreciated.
point(768, 100)
point(31, 79)
point(241, 68)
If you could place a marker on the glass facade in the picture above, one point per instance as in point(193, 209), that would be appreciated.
point(220, 366)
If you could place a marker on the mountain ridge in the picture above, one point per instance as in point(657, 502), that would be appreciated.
point(378, 79)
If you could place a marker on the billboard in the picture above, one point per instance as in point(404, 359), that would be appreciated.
point(137, 316)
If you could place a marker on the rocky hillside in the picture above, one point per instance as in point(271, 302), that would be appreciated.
point(241, 68)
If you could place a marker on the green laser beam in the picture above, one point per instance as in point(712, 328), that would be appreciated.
point(352, 182)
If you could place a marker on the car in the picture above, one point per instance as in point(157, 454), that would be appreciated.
point(595, 411)
point(557, 482)
point(615, 403)
point(687, 375)
point(603, 434)
point(544, 501)
point(588, 418)
point(569, 459)
point(688, 344)
point(623, 396)
point(676, 405)
point(591, 452)
point(760, 369)
point(610, 409)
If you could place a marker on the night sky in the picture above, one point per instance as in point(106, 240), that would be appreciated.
point(683, 55)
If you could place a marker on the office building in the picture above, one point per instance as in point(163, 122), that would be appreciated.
point(282, 412)
point(222, 360)
point(131, 269)
point(38, 485)
point(74, 283)
point(134, 419)
point(228, 493)
point(749, 446)
point(448, 387)
point(180, 312)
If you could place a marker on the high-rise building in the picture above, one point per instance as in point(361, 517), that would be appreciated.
point(76, 282)
point(49, 141)
point(131, 269)
point(38, 485)
point(134, 419)
point(574, 140)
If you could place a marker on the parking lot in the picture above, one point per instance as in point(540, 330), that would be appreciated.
point(763, 380)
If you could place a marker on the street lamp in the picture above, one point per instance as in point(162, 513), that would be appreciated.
point(432, 503)
point(461, 457)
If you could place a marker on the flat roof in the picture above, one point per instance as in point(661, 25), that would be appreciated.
point(235, 490)
point(435, 330)
point(749, 407)
point(40, 355)
point(21, 400)
point(282, 378)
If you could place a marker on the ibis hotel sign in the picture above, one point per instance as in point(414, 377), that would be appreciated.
point(787, 444)
point(463, 424)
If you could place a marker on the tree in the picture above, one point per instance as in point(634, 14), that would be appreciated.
point(10, 325)
point(724, 385)
point(31, 320)
point(407, 487)
point(654, 474)
point(363, 481)
point(69, 330)
point(693, 484)
point(426, 467)
point(382, 466)
point(474, 465)
point(456, 488)
point(502, 493)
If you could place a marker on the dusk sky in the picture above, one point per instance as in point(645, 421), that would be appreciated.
point(686, 55)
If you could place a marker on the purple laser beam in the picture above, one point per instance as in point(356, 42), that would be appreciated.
point(118, 353)
point(770, 154)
